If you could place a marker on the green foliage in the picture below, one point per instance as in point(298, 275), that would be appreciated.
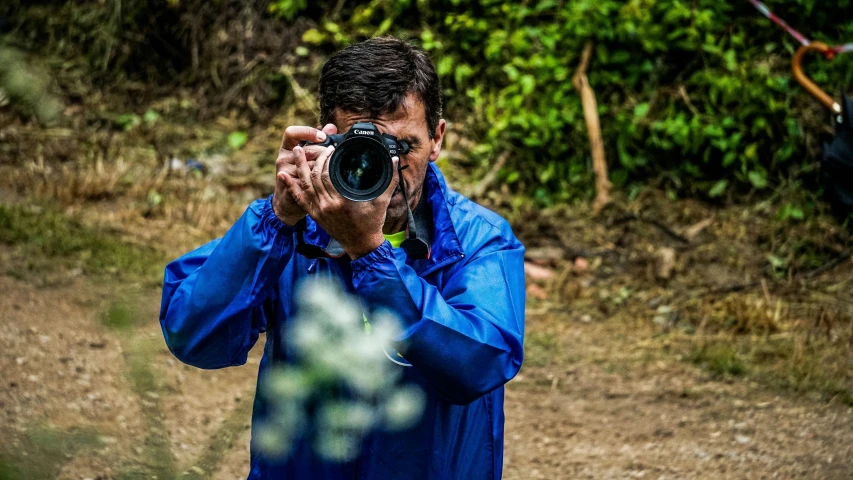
point(287, 9)
point(698, 93)
point(719, 359)
point(50, 236)
point(237, 139)
point(813, 365)
point(48, 449)
point(121, 315)
point(26, 86)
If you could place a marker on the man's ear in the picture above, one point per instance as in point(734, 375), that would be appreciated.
point(437, 138)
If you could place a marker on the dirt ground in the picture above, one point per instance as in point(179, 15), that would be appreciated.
point(83, 400)
point(664, 338)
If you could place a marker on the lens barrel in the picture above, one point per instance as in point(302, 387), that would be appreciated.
point(361, 168)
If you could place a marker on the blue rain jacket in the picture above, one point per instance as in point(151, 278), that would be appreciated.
point(462, 311)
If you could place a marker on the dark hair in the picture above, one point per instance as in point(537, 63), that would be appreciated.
point(375, 76)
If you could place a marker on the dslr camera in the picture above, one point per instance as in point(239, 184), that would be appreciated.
point(361, 167)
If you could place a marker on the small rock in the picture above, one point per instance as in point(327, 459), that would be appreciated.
point(535, 272)
point(664, 263)
point(547, 256)
point(742, 439)
point(537, 292)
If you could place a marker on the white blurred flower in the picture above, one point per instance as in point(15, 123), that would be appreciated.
point(317, 293)
point(343, 313)
point(271, 441)
point(404, 407)
point(289, 418)
point(284, 383)
point(349, 416)
point(337, 446)
point(386, 326)
point(369, 382)
point(340, 373)
point(307, 335)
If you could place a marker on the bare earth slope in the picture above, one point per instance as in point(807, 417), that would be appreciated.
point(84, 398)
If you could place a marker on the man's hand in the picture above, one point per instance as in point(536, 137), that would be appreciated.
point(357, 226)
point(283, 204)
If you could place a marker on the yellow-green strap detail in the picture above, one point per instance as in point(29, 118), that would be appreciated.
point(396, 239)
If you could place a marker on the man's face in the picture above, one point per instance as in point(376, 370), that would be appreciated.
point(407, 124)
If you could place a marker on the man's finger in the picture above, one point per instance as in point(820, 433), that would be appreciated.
point(295, 191)
point(330, 129)
point(286, 162)
point(317, 173)
point(303, 171)
point(297, 133)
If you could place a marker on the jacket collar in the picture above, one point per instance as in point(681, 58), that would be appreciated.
point(444, 242)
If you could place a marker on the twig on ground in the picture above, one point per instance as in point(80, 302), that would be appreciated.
point(663, 228)
point(845, 255)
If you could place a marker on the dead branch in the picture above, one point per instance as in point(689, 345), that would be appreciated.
point(490, 177)
point(593, 125)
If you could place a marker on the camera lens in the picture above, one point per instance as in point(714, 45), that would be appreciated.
point(360, 169)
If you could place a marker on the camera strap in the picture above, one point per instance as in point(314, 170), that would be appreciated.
point(415, 247)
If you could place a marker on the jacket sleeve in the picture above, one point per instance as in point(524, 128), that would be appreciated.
point(466, 339)
point(213, 305)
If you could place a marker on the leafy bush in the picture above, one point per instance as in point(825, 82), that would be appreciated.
point(698, 93)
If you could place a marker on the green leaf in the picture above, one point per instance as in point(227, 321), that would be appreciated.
point(445, 66)
point(776, 261)
point(128, 121)
point(757, 179)
point(313, 36)
point(237, 139)
point(528, 83)
point(154, 198)
point(718, 189)
point(150, 116)
point(791, 211)
point(641, 110)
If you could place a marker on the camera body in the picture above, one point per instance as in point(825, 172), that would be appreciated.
point(361, 167)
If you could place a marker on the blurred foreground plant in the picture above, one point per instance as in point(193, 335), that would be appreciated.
point(340, 384)
point(23, 85)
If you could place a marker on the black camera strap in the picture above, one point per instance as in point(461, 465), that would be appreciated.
point(415, 247)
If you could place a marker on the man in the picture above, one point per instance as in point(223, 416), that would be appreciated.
point(462, 308)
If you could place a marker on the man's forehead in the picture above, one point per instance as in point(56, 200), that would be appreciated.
point(410, 116)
